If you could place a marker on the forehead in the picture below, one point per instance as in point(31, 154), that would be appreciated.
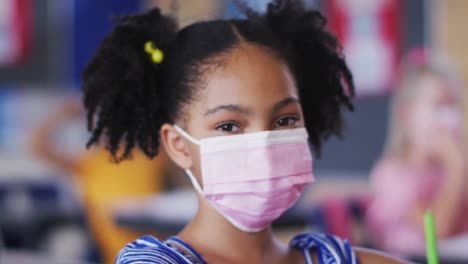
point(250, 75)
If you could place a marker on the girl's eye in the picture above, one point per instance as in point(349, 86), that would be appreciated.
point(228, 127)
point(286, 121)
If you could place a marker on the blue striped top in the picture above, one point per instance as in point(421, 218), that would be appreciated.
point(149, 250)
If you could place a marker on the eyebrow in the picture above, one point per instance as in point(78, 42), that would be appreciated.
point(245, 111)
point(285, 102)
point(230, 108)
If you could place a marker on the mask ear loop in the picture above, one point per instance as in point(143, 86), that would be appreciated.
point(194, 181)
point(186, 135)
point(189, 173)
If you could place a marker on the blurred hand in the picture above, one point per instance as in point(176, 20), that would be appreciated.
point(40, 142)
point(448, 149)
point(71, 108)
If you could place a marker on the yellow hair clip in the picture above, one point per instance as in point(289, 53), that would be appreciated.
point(157, 55)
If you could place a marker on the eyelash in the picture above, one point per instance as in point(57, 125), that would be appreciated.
point(293, 117)
point(219, 127)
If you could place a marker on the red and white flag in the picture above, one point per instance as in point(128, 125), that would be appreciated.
point(15, 24)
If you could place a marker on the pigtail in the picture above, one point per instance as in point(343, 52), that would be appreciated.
point(124, 87)
point(324, 81)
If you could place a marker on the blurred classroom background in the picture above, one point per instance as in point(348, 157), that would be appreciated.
point(49, 183)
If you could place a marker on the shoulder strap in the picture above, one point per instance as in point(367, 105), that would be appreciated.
point(148, 249)
point(186, 247)
point(330, 249)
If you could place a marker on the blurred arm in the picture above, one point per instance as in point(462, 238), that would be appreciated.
point(446, 204)
point(41, 139)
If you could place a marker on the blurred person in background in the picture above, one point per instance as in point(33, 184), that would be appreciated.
point(423, 166)
point(237, 104)
point(102, 182)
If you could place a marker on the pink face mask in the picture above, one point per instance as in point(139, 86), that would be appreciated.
point(251, 179)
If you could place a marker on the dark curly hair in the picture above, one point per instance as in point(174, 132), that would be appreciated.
point(128, 97)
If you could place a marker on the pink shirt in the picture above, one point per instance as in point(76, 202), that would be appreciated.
point(398, 190)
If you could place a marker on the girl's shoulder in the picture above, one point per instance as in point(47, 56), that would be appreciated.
point(331, 249)
point(148, 249)
point(328, 248)
point(325, 247)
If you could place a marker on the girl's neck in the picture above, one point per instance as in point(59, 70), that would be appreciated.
point(209, 231)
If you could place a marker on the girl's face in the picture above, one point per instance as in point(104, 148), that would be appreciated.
point(432, 110)
point(252, 91)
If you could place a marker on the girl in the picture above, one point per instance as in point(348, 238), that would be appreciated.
point(422, 167)
point(235, 103)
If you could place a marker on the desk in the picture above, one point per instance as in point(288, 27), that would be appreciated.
point(451, 251)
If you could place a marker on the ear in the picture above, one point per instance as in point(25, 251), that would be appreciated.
point(176, 146)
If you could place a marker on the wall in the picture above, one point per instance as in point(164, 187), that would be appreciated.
point(449, 36)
